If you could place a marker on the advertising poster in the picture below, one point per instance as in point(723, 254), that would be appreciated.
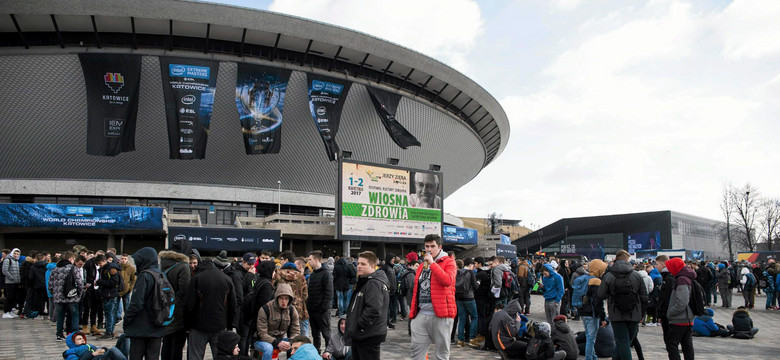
point(459, 235)
point(644, 241)
point(326, 100)
point(81, 216)
point(260, 94)
point(189, 86)
point(762, 256)
point(507, 251)
point(591, 248)
point(112, 82)
point(386, 106)
point(378, 202)
point(218, 239)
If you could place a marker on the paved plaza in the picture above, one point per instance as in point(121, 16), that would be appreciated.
point(34, 339)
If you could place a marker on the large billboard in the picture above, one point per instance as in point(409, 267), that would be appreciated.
point(227, 239)
point(644, 241)
point(388, 203)
point(81, 217)
point(260, 93)
point(459, 235)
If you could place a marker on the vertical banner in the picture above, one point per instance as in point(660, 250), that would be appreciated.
point(386, 105)
point(260, 94)
point(112, 82)
point(326, 99)
point(189, 86)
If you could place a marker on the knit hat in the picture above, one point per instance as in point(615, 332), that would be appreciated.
point(560, 318)
point(223, 257)
point(721, 266)
point(544, 328)
point(675, 265)
point(411, 257)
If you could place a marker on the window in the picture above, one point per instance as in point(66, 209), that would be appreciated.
point(228, 217)
point(114, 201)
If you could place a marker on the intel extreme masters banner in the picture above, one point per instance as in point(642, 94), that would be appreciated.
point(189, 86)
point(81, 217)
point(326, 100)
point(260, 94)
point(112, 82)
point(381, 203)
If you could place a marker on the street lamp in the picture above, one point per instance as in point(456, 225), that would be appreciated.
point(279, 196)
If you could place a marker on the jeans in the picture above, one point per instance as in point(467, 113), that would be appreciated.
point(109, 307)
point(714, 292)
point(680, 334)
point(124, 303)
point(266, 348)
point(72, 310)
point(770, 298)
point(625, 332)
point(467, 308)
point(392, 310)
point(305, 327)
point(343, 297)
point(111, 354)
point(591, 324)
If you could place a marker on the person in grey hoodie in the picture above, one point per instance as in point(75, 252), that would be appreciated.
point(724, 280)
point(337, 348)
point(679, 313)
point(496, 279)
point(14, 293)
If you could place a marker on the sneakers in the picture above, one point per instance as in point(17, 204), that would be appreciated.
point(475, 343)
point(107, 336)
point(9, 315)
point(60, 337)
point(461, 343)
point(479, 338)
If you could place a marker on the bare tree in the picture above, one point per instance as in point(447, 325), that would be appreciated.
point(769, 220)
point(746, 205)
point(727, 209)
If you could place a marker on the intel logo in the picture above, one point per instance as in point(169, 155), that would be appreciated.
point(321, 111)
point(180, 237)
point(187, 100)
point(177, 70)
point(317, 85)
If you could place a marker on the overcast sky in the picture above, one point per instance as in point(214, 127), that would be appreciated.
point(615, 106)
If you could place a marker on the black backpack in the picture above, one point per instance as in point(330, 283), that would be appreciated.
point(70, 288)
point(161, 301)
point(461, 284)
point(403, 289)
point(697, 302)
point(623, 294)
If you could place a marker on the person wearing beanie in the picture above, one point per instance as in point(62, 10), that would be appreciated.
point(541, 345)
point(724, 285)
point(563, 337)
point(592, 311)
point(679, 312)
point(222, 261)
point(703, 325)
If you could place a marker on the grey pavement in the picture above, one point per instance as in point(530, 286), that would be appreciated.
point(35, 339)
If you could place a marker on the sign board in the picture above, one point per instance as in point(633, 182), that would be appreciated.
point(81, 217)
point(459, 235)
point(507, 251)
point(227, 238)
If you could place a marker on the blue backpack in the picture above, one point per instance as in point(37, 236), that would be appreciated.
point(580, 290)
point(750, 282)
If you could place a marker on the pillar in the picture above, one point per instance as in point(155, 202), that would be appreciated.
point(111, 243)
point(309, 247)
point(2, 241)
point(380, 251)
point(345, 244)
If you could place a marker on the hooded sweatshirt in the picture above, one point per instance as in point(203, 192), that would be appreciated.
point(367, 310)
point(49, 267)
point(75, 352)
point(596, 268)
point(11, 268)
point(553, 285)
point(504, 325)
point(704, 325)
point(337, 346)
point(648, 281)
point(137, 321)
point(679, 313)
point(743, 278)
point(496, 275)
point(280, 322)
point(306, 352)
point(297, 281)
point(57, 282)
point(563, 338)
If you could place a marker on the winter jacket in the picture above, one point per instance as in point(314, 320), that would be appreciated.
point(306, 352)
point(75, 352)
point(176, 268)
point(49, 267)
point(483, 290)
point(442, 288)
point(342, 274)
point(280, 323)
point(367, 311)
point(703, 276)
point(210, 300)
point(704, 325)
point(24, 271)
point(679, 312)
point(594, 307)
point(337, 345)
point(109, 285)
point(563, 338)
point(741, 320)
point(546, 349)
point(576, 271)
point(11, 269)
point(37, 275)
point(665, 293)
point(57, 282)
point(300, 289)
point(724, 277)
point(320, 292)
point(621, 268)
point(129, 278)
point(407, 280)
point(605, 341)
point(137, 320)
point(243, 281)
point(522, 275)
point(471, 284)
point(553, 285)
point(647, 280)
point(392, 285)
point(504, 326)
point(262, 293)
point(497, 275)
point(92, 271)
point(743, 278)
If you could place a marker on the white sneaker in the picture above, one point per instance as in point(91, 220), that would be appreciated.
point(8, 315)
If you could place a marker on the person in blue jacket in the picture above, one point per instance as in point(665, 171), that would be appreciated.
point(553, 292)
point(78, 349)
point(52, 309)
point(770, 276)
point(703, 325)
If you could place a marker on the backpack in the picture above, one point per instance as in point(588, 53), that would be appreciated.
point(580, 291)
point(161, 300)
point(530, 279)
point(750, 282)
point(532, 351)
point(696, 300)
point(461, 284)
point(733, 275)
point(509, 286)
point(70, 288)
point(623, 294)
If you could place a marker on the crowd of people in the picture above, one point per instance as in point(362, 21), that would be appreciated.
point(257, 306)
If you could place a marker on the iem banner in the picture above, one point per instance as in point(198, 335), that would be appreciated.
point(260, 94)
point(326, 99)
point(112, 101)
point(189, 86)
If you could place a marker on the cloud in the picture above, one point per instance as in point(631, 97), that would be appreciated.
point(443, 29)
point(749, 29)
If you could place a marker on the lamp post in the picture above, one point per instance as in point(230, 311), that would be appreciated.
point(747, 228)
point(279, 196)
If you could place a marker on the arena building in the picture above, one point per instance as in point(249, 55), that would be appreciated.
point(44, 155)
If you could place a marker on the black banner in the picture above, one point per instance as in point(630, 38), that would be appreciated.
point(112, 82)
point(507, 251)
point(326, 99)
point(227, 239)
point(260, 95)
point(386, 105)
point(189, 86)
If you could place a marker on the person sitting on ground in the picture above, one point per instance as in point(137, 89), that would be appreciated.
point(302, 349)
point(337, 348)
point(703, 325)
point(742, 324)
point(563, 338)
point(541, 347)
point(277, 321)
point(227, 346)
point(605, 341)
point(504, 328)
point(78, 349)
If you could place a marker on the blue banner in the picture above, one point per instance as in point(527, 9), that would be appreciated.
point(506, 240)
point(81, 216)
point(227, 239)
point(459, 235)
point(644, 241)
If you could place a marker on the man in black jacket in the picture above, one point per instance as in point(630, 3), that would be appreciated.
point(367, 312)
point(145, 336)
point(175, 264)
point(483, 298)
point(211, 307)
point(665, 293)
point(344, 276)
point(320, 296)
point(93, 304)
point(243, 277)
point(37, 277)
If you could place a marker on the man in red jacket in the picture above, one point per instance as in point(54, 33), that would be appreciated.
point(433, 307)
